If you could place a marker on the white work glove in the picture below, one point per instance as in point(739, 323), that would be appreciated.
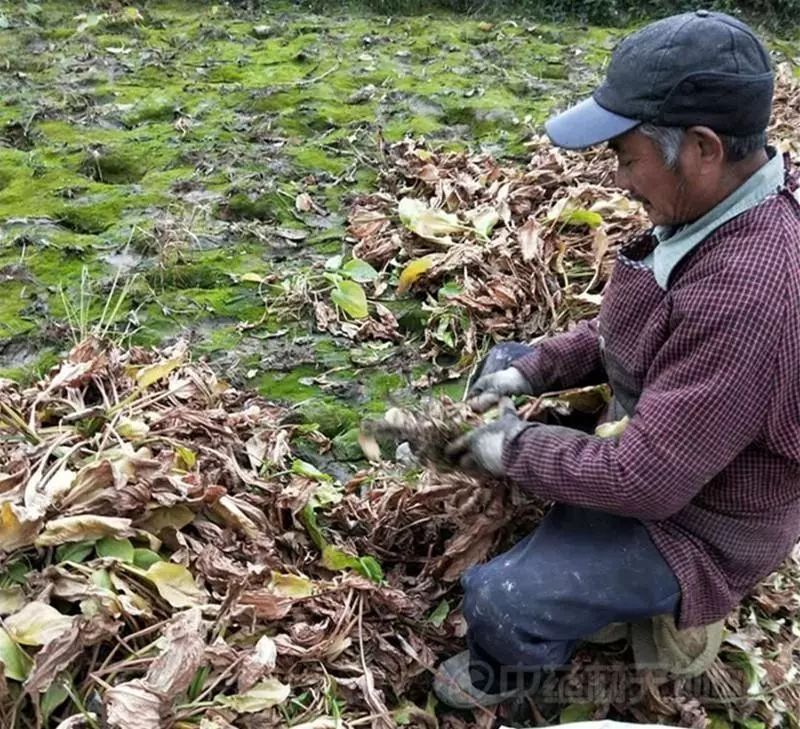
point(488, 389)
point(482, 448)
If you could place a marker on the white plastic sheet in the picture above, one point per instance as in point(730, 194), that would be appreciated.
point(608, 724)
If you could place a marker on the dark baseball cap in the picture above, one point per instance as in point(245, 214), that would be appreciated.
point(695, 69)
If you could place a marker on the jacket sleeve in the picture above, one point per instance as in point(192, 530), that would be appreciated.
point(566, 360)
point(705, 399)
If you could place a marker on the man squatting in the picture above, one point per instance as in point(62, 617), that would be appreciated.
point(698, 336)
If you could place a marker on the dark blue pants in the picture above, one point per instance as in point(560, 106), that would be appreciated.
point(577, 572)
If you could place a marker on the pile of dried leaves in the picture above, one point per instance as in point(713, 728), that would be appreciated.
point(166, 561)
point(499, 252)
point(495, 251)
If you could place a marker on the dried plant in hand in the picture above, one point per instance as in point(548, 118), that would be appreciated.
point(427, 430)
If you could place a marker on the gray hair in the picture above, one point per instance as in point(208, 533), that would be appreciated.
point(669, 140)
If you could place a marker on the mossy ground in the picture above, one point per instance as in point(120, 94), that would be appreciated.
point(171, 143)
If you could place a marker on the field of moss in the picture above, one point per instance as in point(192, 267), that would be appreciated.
point(157, 151)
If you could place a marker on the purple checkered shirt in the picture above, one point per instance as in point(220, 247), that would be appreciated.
point(710, 371)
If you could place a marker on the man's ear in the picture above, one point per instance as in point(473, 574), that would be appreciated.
point(705, 147)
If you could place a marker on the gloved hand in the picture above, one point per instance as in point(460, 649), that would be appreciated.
point(482, 448)
point(488, 389)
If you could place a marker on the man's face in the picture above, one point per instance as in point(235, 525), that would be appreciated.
point(668, 195)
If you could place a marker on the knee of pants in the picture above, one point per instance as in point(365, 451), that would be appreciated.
point(489, 614)
point(507, 632)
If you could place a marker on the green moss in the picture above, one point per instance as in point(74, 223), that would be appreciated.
point(158, 106)
point(5, 178)
point(13, 303)
point(329, 414)
point(58, 132)
point(240, 206)
point(381, 386)
point(113, 166)
point(346, 447)
point(189, 276)
point(287, 386)
point(263, 119)
point(94, 217)
point(313, 159)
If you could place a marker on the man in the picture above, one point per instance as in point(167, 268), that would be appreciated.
point(699, 338)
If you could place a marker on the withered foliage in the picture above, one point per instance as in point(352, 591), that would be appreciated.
point(534, 260)
point(497, 251)
point(166, 560)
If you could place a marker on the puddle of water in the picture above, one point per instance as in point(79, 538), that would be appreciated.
point(125, 260)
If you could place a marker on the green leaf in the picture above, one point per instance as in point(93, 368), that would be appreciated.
point(145, 558)
point(439, 615)
point(448, 289)
point(37, 624)
point(429, 223)
point(613, 429)
point(576, 712)
point(370, 568)
point(751, 723)
point(485, 220)
point(359, 270)
point(120, 549)
point(717, 721)
point(408, 714)
point(291, 585)
point(16, 663)
point(56, 695)
point(413, 270)
point(186, 457)
point(334, 263)
point(262, 696)
point(16, 572)
point(90, 20)
point(198, 682)
point(132, 428)
point(101, 578)
point(309, 519)
point(335, 560)
point(753, 668)
point(581, 216)
point(12, 598)
point(75, 552)
point(325, 494)
point(150, 374)
point(175, 584)
point(350, 297)
point(304, 468)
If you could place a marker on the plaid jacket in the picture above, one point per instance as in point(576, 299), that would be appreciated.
point(709, 369)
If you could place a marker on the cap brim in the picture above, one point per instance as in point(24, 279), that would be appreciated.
point(587, 124)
